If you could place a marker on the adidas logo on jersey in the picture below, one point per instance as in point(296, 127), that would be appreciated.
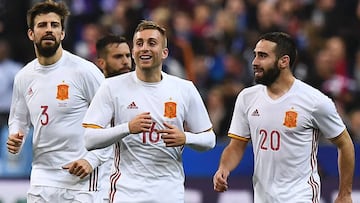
point(255, 113)
point(132, 106)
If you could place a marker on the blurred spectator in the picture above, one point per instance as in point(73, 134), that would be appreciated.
point(83, 12)
point(115, 21)
point(13, 166)
point(202, 76)
point(337, 50)
point(207, 38)
point(8, 70)
point(225, 31)
point(123, 18)
point(323, 69)
point(356, 71)
point(86, 45)
point(182, 25)
point(237, 9)
point(182, 35)
point(13, 28)
point(215, 56)
point(217, 111)
point(354, 124)
point(326, 79)
point(266, 17)
point(220, 98)
point(237, 71)
point(286, 17)
point(180, 58)
point(321, 12)
point(341, 87)
point(201, 26)
point(171, 65)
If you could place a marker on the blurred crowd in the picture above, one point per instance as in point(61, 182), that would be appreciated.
point(211, 43)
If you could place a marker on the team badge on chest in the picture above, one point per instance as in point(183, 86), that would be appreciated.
point(62, 92)
point(290, 119)
point(170, 109)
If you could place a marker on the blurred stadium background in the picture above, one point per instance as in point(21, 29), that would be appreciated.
point(210, 43)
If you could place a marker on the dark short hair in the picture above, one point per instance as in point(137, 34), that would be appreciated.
point(151, 25)
point(46, 7)
point(285, 45)
point(106, 40)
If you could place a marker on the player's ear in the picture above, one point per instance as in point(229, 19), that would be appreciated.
point(100, 62)
point(165, 53)
point(62, 35)
point(30, 34)
point(284, 62)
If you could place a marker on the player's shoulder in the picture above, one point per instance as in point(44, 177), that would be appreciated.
point(305, 90)
point(310, 95)
point(248, 95)
point(80, 65)
point(120, 77)
point(251, 90)
point(27, 68)
point(125, 78)
point(77, 62)
point(176, 80)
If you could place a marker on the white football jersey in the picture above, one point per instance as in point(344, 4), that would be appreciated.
point(146, 170)
point(54, 99)
point(284, 134)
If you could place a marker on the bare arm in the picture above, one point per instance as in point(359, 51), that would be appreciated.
point(230, 159)
point(346, 164)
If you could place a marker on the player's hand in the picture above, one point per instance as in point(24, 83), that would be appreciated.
point(172, 136)
point(343, 199)
point(80, 168)
point(220, 180)
point(14, 142)
point(141, 123)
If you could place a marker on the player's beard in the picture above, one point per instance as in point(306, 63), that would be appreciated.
point(111, 72)
point(47, 51)
point(269, 76)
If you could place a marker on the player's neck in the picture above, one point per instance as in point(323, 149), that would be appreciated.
point(45, 61)
point(280, 87)
point(148, 75)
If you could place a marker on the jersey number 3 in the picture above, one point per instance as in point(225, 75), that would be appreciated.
point(45, 116)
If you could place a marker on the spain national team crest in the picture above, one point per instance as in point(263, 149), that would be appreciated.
point(170, 109)
point(290, 119)
point(62, 92)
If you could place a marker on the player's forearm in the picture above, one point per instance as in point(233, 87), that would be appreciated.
point(232, 155)
point(229, 160)
point(19, 121)
point(201, 141)
point(104, 137)
point(19, 127)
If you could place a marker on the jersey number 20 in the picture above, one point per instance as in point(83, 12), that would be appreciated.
point(270, 140)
